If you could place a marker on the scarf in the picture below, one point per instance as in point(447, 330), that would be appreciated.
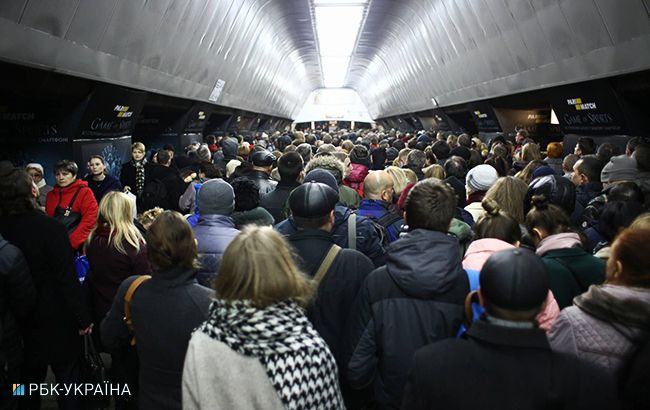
point(139, 175)
point(297, 360)
point(41, 183)
point(617, 304)
point(558, 241)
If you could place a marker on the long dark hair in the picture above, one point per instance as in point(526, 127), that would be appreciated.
point(15, 190)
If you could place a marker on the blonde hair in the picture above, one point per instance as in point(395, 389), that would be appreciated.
point(400, 181)
point(268, 273)
point(411, 176)
point(531, 152)
point(641, 222)
point(452, 140)
point(509, 193)
point(115, 210)
point(150, 215)
point(137, 145)
point(434, 171)
point(401, 157)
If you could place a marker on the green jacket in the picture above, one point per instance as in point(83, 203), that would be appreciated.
point(349, 197)
point(571, 271)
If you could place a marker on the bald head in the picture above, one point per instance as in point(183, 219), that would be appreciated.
point(378, 185)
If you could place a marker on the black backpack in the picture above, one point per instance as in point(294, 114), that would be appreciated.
point(154, 194)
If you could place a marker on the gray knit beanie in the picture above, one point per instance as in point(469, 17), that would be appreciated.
point(216, 197)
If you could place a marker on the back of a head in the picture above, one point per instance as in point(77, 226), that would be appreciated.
point(268, 273)
point(416, 159)
point(15, 190)
point(431, 204)
point(209, 170)
point(556, 189)
point(290, 165)
point(547, 216)
point(514, 284)
point(465, 140)
point(554, 150)
point(590, 166)
point(626, 191)
point(642, 156)
point(311, 204)
point(328, 163)
point(481, 178)
point(607, 151)
point(247, 194)
point(216, 197)
point(441, 149)
point(531, 152)
point(456, 167)
point(586, 145)
point(116, 210)
point(170, 242)
point(569, 161)
point(304, 150)
point(617, 215)
point(500, 164)
point(497, 224)
point(509, 193)
point(626, 249)
point(163, 156)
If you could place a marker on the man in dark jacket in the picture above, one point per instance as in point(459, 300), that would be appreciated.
point(416, 299)
point(229, 147)
point(16, 305)
point(505, 361)
point(364, 235)
point(51, 335)
point(215, 228)
point(376, 205)
point(163, 173)
point(290, 166)
point(261, 173)
point(586, 177)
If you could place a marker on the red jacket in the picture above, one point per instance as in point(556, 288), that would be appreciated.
point(85, 204)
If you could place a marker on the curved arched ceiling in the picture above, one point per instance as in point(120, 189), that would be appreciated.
point(410, 51)
point(263, 50)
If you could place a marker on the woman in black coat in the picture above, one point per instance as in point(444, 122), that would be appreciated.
point(132, 175)
point(53, 330)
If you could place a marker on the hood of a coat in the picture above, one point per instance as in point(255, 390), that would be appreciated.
point(229, 148)
point(358, 173)
point(480, 250)
point(624, 306)
point(424, 263)
point(216, 220)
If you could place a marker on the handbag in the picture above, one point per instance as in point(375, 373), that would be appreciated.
point(67, 216)
point(81, 266)
point(93, 371)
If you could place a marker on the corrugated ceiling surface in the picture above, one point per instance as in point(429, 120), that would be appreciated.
point(263, 50)
point(462, 50)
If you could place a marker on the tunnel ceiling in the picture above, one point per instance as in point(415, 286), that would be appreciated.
point(408, 51)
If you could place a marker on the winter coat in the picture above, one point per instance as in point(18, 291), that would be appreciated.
point(367, 238)
point(52, 330)
point(101, 188)
point(256, 216)
point(476, 210)
point(165, 310)
point(571, 271)
point(462, 232)
point(128, 175)
point(416, 299)
point(349, 197)
point(229, 147)
point(172, 180)
point(275, 201)
point(377, 209)
point(17, 304)
point(605, 327)
point(356, 177)
point(498, 367)
point(584, 194)
point(239, 382)
point(109, 268)
point(85, 204)
point(337, 289)
point(263, 181)
point(479, 252)
point(213, 234)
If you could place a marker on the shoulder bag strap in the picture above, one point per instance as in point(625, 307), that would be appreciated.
point(352, 231)
point(327, 263)
point(128, 321)
point(74, 197)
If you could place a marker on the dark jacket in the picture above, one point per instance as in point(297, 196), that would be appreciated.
point(337, 290)
point(229, 149)
point(109, 268)
point(571, 271)
point(17, 303)
point(498, 367)
point(256, 216)
point(416, 299)
point(367, 238)
point(213, 234)
point(101, 188)
point(165, 310)
point(275, 201)
point(173, 183)
point(84, 203)
point(127, 176)
point(52, 330)
point(584, 194)
point(263, 181)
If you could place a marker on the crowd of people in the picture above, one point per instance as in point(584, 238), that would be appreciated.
point(316, 270)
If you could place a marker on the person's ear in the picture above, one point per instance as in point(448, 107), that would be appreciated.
point(538, 233)
point(332, 217)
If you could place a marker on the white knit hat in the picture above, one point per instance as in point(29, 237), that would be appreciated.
point(481, 178)
point(35, 165)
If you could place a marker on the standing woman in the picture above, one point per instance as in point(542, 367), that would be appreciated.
point(98, 180)
point(72, 203)
point(132, 175)
point(257, 350)
point(164, 311)
point(115, 250)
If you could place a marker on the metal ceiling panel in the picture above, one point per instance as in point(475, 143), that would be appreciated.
point(12, 10)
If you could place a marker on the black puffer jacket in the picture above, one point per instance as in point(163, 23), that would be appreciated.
point(19, 298)
point(416, 299)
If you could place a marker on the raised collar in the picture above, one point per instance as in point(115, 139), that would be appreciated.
point(483, 331)
point(305, 234)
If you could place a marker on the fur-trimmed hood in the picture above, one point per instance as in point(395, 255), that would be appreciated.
point(329, 163)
